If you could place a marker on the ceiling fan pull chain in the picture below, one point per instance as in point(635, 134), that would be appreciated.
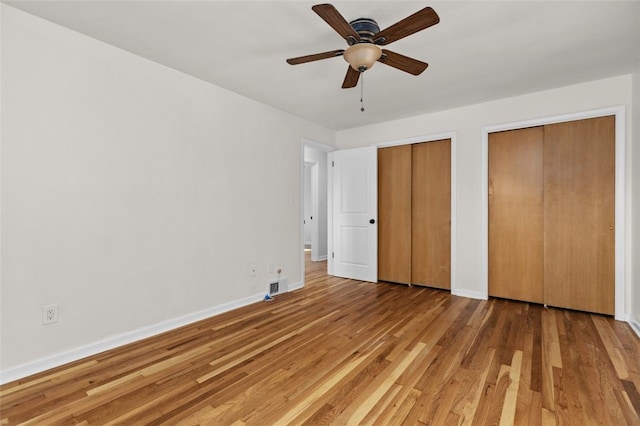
point(361, 92)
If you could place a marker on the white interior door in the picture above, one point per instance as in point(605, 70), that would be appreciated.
point(354, 214)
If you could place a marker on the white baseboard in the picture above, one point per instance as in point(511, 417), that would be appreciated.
point(635, 324)
point(322, 258)
point(295, 286)
point(469, 294)
point(33, 367)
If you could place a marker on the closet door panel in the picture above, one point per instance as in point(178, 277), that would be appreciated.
point(394, 214)
point(431, 214)
point(516, 266)
point(579, 188)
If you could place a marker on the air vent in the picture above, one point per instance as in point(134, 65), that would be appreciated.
point(274, 288)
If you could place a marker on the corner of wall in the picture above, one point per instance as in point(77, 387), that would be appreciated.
point(634, 189)
point(634, 322)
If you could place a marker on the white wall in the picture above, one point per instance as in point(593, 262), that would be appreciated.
point(134, 196)
point(468, 123)
point(635, 187)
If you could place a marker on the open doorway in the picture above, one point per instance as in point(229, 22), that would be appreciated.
point(314, 201)
point(307, 213)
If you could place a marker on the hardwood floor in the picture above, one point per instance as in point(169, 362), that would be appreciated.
point(348, 352)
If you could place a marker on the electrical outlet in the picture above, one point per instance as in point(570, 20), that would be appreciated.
point(253, 270)
point(49, 314)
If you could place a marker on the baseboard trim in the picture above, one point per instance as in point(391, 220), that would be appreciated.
point(56, 360)
point(296, 286)
point(635, 324)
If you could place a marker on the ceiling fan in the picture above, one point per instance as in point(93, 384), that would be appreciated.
point(365, 38)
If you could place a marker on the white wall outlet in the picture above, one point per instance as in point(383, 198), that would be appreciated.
point(253, 270)
point(49, 314)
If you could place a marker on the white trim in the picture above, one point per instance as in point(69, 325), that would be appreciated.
point(296, 286)
point(454, 219)
point(620, 194)
point(112, 342)
point(621, 290)
point(418, 139)
point(321, 146)
point(635, 324)
point(315, 204)
point(454, 206)
point(302, 167)
point(327, 148)
point(330, 213)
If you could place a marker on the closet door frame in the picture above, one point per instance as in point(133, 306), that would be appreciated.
point(621, 249)
point(453, 254)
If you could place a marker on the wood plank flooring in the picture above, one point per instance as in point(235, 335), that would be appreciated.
point(348, 352)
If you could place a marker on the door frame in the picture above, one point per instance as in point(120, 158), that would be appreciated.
point(621, 246)
point(322, 147)
point(308, 195)
point(453, 256)
point(314, 194)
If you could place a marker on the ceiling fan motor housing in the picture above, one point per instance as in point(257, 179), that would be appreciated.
point(366, 29)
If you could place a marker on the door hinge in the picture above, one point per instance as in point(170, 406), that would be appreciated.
point(333, 164)
point(333, 255)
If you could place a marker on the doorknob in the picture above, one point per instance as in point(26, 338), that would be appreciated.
point(372, 221)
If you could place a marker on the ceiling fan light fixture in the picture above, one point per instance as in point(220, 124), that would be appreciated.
point(362, 56)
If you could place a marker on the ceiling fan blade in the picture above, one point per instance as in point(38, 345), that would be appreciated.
point(336, 21)
point(351, 79)
point(403, 63)
point(411, 24)
point(314, 57)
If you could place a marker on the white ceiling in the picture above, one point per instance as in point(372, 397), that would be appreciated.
point(480, 50)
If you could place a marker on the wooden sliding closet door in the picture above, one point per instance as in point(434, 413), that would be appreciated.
point(579, 190)
point(516, 267)
point(394, 214)
point(431, 214)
